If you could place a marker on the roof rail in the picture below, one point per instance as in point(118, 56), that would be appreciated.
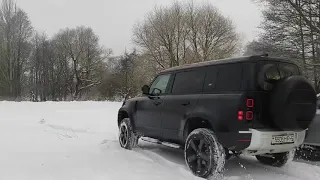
point(260, 55)
point(266, 54)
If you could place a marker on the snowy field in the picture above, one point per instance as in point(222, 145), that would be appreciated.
point(78, 141)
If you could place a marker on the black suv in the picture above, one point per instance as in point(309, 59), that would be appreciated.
point(254, 105)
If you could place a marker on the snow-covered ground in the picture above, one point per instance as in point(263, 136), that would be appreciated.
point(78, 141)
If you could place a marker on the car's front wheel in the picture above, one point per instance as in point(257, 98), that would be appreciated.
point(127, 138)
point(204, 155)
point(277, 159)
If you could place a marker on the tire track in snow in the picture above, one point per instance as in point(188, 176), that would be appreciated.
point(242, 168)
point(63, 132)
point(155, 157)
point(145, 155)
point(293, 170)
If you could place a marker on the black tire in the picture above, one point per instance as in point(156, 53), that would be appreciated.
point(127, 137)
point(202, 147)
point(293, 103)
point(309, 153)
point(277, 159)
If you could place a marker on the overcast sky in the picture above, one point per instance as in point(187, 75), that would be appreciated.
point(112, 20)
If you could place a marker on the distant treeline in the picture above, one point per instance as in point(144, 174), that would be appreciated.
point(73, 65)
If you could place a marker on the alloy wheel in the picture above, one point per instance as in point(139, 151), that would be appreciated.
point(123, 136)
point(198, 156)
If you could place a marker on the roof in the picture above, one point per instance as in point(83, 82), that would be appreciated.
point(223, 61)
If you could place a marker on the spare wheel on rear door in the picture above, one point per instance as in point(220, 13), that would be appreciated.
point(293, 103)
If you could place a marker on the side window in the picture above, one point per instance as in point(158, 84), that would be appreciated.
point(248, 76)
point(159, 85)
point(229, 77)
point(211, 78)
point(189, 82)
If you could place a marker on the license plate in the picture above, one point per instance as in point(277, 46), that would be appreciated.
point(282, 139)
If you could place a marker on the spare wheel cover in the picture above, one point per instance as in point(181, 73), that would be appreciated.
point(293, 103)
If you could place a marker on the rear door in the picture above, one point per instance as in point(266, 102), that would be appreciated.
point(268, 73)
point(182, 100)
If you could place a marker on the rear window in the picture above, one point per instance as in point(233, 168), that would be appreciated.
point(277, 71)
point(287, 70)
point(270, 72)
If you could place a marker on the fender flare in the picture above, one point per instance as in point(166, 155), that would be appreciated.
point(184, 123)
point(129, 109)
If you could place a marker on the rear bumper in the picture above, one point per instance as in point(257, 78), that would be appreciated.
point(234, 141)
point(261, 141)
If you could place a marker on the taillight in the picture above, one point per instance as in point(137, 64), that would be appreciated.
point(249, 112)
point(250, 103)
point(249, 115)
point(240, 115)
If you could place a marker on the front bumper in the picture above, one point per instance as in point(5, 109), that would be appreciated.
point(261, 141)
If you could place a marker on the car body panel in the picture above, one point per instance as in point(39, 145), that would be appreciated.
point(175, 109)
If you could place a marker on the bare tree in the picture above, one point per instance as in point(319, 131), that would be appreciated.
point(85, 56)
point(185, 33)
point(211, 35)
point(43, 72)
point(72, 63)
point(16, 31)
point(293, 25)
point(163, 34)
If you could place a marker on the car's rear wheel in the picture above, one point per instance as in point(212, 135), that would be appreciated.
point(127, 138)
point(310, 153)
point(204, 155)
point(277, 159)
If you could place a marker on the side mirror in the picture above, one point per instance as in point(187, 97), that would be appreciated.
point(156, 92)
point(145, 90)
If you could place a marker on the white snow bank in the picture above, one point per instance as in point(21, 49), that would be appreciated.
point(78, 141)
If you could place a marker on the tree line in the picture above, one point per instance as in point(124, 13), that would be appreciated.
point(290, 29)
point(34, 67)
point(73, 65)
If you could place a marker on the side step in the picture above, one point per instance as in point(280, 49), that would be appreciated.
point(156, 141)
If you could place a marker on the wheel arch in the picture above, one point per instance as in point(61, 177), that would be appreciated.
point(126, 113)
point(194, 122)
point(121, 115)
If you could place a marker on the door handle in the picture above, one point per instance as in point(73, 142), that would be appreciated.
point(186, 103)
point(157, 103)
point(154, 97)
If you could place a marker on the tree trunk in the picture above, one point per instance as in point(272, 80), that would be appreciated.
point(302, 41)
point(313, 53)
